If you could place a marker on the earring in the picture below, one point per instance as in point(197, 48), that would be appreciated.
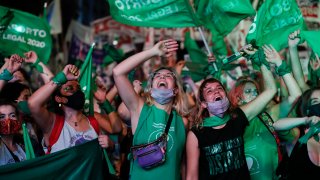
point(60, 105)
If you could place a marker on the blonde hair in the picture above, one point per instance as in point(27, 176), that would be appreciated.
point(179, 103)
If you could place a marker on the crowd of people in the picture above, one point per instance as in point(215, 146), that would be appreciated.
point(210, 132)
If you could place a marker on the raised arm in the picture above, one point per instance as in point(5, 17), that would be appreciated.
point(282, 69)
point(126, 91)
point(253, 108)
point(45, 73)
point(293, 41)
point(10, 66)
point(289, 123)
point(37, 101)
point(110, 122)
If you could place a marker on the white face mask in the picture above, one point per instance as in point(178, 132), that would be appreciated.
point(218, 108)
point(162, 96)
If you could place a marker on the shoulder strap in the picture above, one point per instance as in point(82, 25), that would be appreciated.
point(56, 131)
point(168, 124)
point(266, 119)
point(94, 123)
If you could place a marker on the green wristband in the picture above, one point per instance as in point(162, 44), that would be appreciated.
point(6, 75)
point(107, 107)
point(60, 78)
point(283, 69)
point(37, 66)
point(259, 58)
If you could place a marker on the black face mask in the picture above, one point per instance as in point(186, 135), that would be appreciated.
point(76, 100)
point(314, 110)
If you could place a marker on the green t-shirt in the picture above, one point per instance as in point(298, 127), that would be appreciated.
point(260, 150)
point(150, 129)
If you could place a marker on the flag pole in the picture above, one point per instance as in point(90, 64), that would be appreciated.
point(207, 47)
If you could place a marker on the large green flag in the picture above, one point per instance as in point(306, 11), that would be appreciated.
point(84, 161)
point(156, 13)
point(275, 20)
point(313, 40)
point(223, 15)
point(24, 32)
point(86, 82)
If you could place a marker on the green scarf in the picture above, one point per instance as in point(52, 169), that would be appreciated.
point(214, 121)
point(313, 131)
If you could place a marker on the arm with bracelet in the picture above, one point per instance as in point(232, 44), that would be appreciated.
point(11, 65)
point(284, 71)
point(38, 100)
point(111, 121)
point(45, 73)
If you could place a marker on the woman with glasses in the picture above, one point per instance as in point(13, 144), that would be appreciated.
point(163, 96)
point(261, 141)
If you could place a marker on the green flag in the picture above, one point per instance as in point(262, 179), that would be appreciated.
point(273, 23)
point(223, 15)
point(159, 13)
point(27, 142)
point(24, 32)
point(199, 60)
point(84, 161)
point(86, 82)
point(313, 40)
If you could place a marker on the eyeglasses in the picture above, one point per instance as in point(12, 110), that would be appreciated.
point(166, 75)
point(253, 91)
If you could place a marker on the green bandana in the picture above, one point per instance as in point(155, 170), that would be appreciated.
point(214, 121)
point(283, 69)
point(60, 78)
point(23, 107)
point(313, 131)
point(6, 75)
point(37, 66)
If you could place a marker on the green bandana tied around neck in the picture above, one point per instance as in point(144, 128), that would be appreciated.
point(313, 131)
point(214, 121)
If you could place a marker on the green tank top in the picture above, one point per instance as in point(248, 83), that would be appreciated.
point(151, 125)
point(261, 151)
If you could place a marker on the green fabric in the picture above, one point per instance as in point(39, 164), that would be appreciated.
point(220, 17)
point(37, 66)
point(223, 15)
point(86, 82)
point(23, 107)
point(110, 166)
point(27, 143)
point(313, 131)
point(313, 39)
point(151, 125)
point(25, 32)
point(60, 78)
point(259, 58)
point(274, 21)
point(5, 21)
point(159, 13)
point(84, 161)
point(6, 75)
point(214, 121)
point(107, 107)
point(261, 151)
point(283, 69)
point(113, 54)
point(199, 59)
